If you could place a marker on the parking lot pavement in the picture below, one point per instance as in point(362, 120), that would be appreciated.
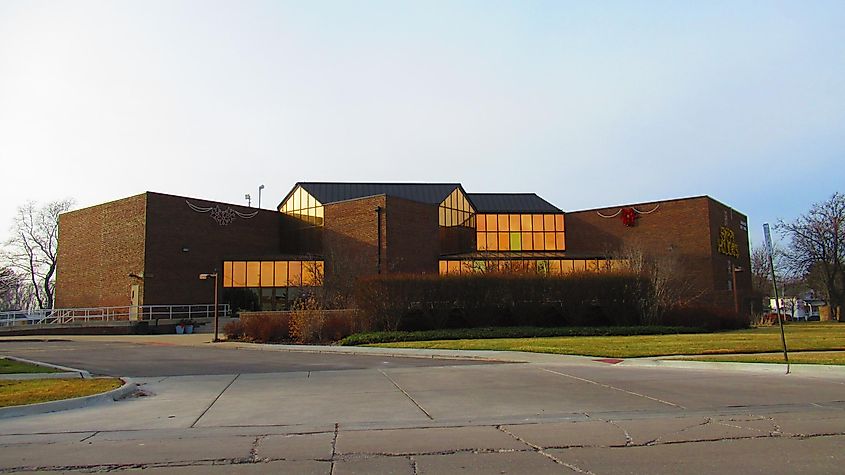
point(437, 417)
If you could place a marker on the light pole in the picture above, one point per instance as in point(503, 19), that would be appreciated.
point(259, 195)
point(216, 319)
point(734, 270)
point(248, 200)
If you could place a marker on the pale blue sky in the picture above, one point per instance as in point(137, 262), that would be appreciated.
point(585, 103)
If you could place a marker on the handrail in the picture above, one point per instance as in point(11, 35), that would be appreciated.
point(60, 316)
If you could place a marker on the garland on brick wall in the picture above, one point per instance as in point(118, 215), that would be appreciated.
point(224, 217)
point(629, 216)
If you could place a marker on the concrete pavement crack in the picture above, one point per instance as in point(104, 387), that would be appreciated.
point(629, 441)
point(407, 395)
point(542, 452)
point(215, 400)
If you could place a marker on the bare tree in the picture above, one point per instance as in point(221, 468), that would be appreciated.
point(33, 248)
point(14, 292)
point(817, 245)
point(669, 286)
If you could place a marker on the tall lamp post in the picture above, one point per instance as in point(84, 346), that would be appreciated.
point(216, 319)
point(734, 270)
point(259, 195)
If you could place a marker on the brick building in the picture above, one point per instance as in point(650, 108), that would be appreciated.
point(149, 249)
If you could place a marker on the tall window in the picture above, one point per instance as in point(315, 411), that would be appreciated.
point(300, 204)
point(457, 223)
point(520, 232)
point(270, 274)
point(455, 210)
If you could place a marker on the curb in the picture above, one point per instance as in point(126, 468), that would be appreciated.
point(368, 351)
point(78, 373)
point(73, 403)
point(776, 368)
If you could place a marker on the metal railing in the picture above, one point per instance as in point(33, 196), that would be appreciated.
point(62, 316)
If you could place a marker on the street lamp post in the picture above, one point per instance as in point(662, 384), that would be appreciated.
point(734, 270)
point(216, 319)
point(259, 195)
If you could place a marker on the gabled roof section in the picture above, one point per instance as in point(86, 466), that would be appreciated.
point(511, 203)
point(332, 192)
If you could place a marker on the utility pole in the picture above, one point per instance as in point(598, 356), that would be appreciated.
point(769, 251)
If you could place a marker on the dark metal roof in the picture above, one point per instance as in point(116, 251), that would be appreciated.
point(511, 203)
point(432, 193)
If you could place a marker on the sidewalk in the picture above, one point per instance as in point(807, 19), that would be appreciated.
point(205, 340)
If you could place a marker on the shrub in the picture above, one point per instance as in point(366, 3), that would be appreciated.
point(510, 332)
point(234, 330)
point(307, 321)
point(265, 327)
point(710, 318)
point(415, 302)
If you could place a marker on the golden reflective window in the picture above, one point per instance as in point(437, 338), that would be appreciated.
point(481, 241)
point(560, 243)
point(502, 220)
point(239, 274)
point(295, 273)
point(253, 274)
point(538, 241)
point(537, 222)
point(454, 267)
point(549, 239)
point(492, 224)
point(513, 222)
point(548, 222)
point(504, 242)
point(492, 242)
point(281, 273)
point(442, 266)
point(227, 274)
point(526, 224)
point(559, 222)
point(267, 271)
point(527, 241)
point(554, 267)
point(310, 275)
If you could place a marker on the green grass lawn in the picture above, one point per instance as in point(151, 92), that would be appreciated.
point(799, 337)
point(804, 357)
point(15, 367)
point(16, 392)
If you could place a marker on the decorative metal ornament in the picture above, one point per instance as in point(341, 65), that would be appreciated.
point(629, 216)
point(223, 217)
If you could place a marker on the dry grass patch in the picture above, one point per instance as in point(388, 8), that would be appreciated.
point(16, 392)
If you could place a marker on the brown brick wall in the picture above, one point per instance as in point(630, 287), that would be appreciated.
point(98, 248)
point(350, 237)
point(172, 273)
point(721, 215)
point(412, 237)
point(687, 228)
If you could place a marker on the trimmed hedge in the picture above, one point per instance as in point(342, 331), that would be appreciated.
point(427, 302)
point(510, 332)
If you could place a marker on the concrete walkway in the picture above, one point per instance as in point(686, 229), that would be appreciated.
point(351, 415)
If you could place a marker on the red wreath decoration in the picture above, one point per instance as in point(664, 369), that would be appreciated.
point(629, 217)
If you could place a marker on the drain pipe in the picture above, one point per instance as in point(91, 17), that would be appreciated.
point(378, 239)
